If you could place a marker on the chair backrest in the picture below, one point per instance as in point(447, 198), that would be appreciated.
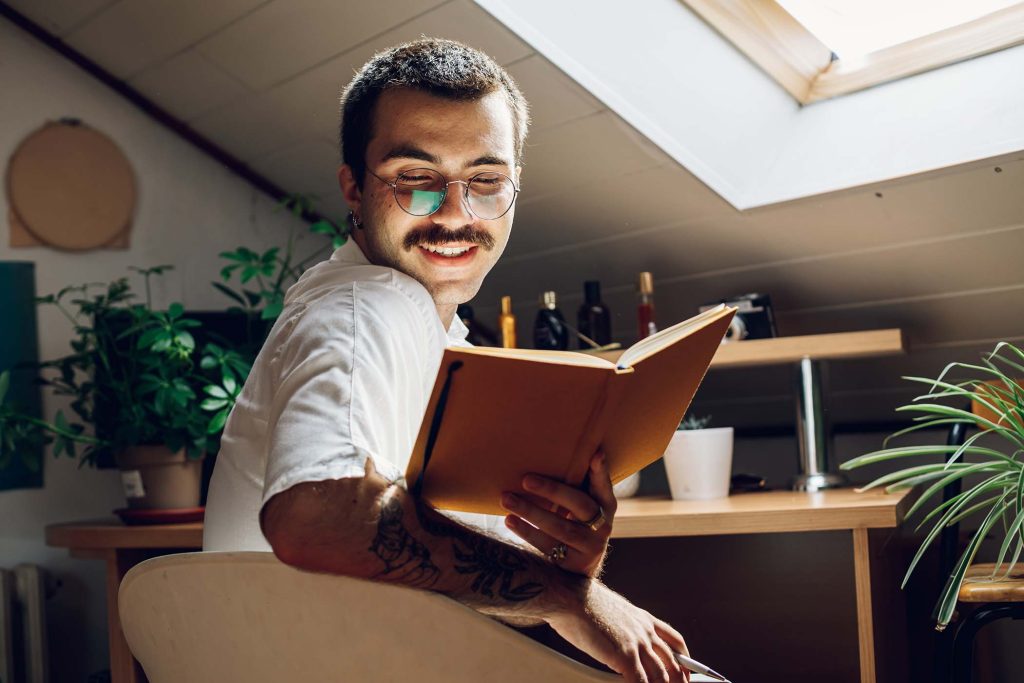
point(214, 617)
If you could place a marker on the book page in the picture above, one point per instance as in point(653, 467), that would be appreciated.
point(660, 340)
point(543, 356)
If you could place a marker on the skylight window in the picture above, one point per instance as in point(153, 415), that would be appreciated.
point(855, 28)
point(817, 49)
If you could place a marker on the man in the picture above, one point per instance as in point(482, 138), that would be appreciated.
point(313, 453)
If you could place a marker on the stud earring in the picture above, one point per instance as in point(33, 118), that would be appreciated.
point(354, 221)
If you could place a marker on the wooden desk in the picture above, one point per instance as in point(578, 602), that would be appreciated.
point(122, 547)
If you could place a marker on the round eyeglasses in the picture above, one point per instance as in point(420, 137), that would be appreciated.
point(421, 192)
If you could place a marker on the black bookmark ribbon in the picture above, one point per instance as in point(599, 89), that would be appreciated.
point(435, 425)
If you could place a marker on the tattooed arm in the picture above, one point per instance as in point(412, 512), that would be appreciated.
point(370, 528)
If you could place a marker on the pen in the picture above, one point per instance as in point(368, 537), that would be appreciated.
point(698, 668)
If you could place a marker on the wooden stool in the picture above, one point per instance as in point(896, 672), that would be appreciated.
point(999, 597)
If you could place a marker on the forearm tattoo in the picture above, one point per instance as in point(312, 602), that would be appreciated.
point(493, 565)
point(405, 559)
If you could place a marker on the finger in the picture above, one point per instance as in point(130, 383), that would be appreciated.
point(653, 667)
point(671, 636)
point(581, 505)
point(531, 534)
point(573, 534)
point(676, 672)
point(601, 485)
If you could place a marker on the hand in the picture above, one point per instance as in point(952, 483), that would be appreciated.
point(533, 521)
point(623, 637)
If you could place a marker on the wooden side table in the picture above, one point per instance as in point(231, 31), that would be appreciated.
point(122, 547)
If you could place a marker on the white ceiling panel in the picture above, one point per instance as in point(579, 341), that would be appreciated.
point(554, 97)
point(584, 151)
point(130, 36)
point(250, 127)
point(307, 167)
point(188, 85)
point(286, 37)
point(59, 16)
point(616, 208)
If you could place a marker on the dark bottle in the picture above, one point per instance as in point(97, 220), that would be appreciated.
point(593, 319)
point(549, 330)
point(479, 334)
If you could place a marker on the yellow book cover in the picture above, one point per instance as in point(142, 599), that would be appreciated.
point(496, 414)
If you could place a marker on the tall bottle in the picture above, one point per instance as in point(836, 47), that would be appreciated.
point(593, 318)
point(549, 330)
point(645, 307)
point(507, 324)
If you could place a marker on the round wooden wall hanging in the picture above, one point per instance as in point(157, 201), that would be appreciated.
point(70, 187)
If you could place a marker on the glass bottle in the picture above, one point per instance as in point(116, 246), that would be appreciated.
point(645, 307)
point(593, 318)
point(507, 324)
point(549, 329)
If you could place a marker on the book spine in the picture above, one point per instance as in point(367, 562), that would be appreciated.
point(596, 426)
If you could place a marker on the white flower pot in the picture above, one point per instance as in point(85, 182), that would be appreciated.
point(698, 463)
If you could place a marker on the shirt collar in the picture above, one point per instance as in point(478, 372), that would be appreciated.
point(350, 253)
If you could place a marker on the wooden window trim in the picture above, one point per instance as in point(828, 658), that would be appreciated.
point(802, 65)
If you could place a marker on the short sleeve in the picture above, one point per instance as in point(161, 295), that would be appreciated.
point(310, 418)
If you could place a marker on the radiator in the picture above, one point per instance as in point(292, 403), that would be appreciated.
point(23, 648)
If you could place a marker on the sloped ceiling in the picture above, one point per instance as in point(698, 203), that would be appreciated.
point(936, 254)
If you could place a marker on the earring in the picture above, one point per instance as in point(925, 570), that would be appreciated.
point(354, 221)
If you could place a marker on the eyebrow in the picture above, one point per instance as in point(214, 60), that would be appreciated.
point(413, 152)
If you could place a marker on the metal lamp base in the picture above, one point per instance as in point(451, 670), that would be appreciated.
point(819, 481)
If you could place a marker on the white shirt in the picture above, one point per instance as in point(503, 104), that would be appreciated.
point(345, 375)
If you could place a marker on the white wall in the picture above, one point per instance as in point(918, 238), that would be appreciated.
point(189, 209)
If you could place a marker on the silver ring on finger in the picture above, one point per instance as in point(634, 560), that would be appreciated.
point(597, 521)
point(557, 553)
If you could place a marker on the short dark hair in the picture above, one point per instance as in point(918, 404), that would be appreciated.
point(440, 67)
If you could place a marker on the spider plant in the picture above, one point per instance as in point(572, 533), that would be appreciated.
point(998, 495)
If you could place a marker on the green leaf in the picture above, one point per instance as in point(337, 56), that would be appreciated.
point(208, 363)
point(230, 385)
point(213, 404)
point(215, 391)
point(185, 340)
point(272, 310)
point(162, 344)
point(944, 610)
point(226, 271)
point(175, 311)
point(5, 383)
point(227, 291)
point(217, 422)
point(147, 338)
point(323, 227)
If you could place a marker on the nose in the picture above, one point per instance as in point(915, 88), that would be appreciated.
point(454, 211)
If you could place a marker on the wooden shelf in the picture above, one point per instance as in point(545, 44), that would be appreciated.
point(815, 346)
point(761, 512)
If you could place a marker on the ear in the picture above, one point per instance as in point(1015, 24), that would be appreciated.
point(350, 189)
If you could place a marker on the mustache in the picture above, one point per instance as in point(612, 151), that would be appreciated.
point(437, 236)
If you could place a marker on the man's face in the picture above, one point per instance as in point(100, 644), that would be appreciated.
point(413, 129)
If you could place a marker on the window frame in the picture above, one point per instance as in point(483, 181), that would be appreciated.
point(804, 66)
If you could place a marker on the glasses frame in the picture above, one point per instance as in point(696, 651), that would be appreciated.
point(465, 192)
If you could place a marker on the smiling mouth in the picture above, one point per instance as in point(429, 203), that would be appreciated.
point(450, 252)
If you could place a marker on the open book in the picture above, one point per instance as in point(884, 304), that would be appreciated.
point(496, 414)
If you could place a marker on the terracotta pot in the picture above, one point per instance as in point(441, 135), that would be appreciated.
point(156, 478)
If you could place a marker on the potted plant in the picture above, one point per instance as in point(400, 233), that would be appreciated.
point(154, 402)
point(264, 277)
point(698, 460)
point(997, 494)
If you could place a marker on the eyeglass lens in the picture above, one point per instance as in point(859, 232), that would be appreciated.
point(421, 192)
